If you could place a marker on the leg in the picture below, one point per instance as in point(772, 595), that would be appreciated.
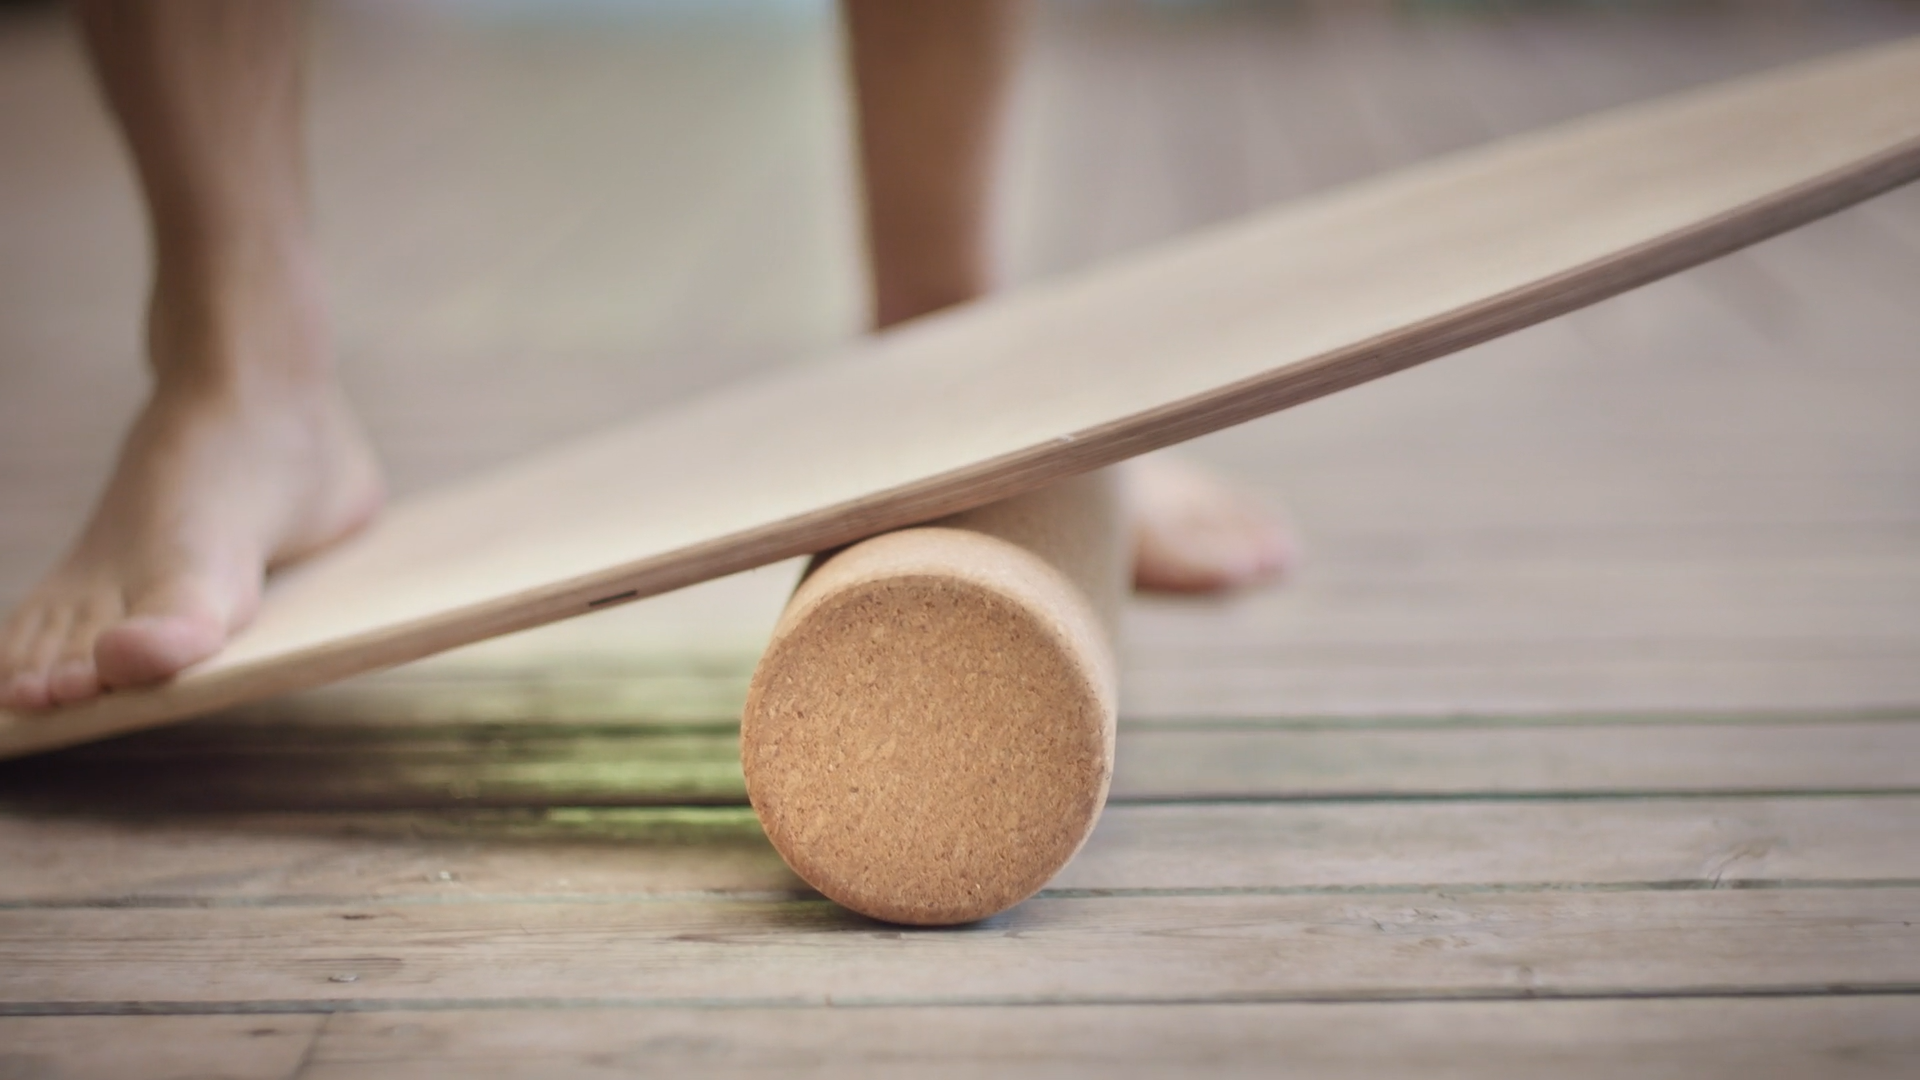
point(931, 79)
point(245, 455)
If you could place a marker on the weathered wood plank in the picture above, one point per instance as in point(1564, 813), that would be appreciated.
point(309, 766)
point(1517, 759)
point(582, 854)
point(453, 856)
point(1485, 685)
point(1789, 1039)
point(1135, 948)
point(125, 1047)
point(318, 767)
point(1685, 843)
point(1841, 1038)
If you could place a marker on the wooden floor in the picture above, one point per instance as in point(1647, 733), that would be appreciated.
point(1587, 743)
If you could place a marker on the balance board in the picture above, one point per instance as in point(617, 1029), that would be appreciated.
point(1003, 397)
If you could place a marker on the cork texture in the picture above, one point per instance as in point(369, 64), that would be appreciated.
point(929, 736)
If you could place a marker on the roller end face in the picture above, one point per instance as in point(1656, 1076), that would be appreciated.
point(929, 737)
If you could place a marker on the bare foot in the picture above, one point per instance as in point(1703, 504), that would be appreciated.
point(233, 467)
point(1195, 533)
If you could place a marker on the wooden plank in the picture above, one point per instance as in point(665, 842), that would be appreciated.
point(1136, 948)
point(1518, 759)
point(958, 410)
point(534, 764)
point(577, 854)
point(473, 765)
point(406, 857)
point(121, 1047)
point(1729, 1039)
point(1837, 1038)
point(1686, 842)
point(1483, 686)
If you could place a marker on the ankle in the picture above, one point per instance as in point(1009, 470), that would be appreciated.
point(238, 317)
point(901, 303)
point(920, 281)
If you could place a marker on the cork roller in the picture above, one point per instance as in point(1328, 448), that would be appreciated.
point(929, 735)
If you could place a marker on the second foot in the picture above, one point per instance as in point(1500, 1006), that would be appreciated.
point(1195, 533)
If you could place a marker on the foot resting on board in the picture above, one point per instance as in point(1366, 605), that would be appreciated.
point(245, 457)
point(1195, 533)
point(223, 477)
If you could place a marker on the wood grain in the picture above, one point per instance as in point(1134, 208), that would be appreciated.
point(959, 410)
point(1646, 758)
point(1844, 1038)
point(210, 766)
point(578, 855)
point(125, 1047)
point(1133, 948)
point(1792, 1039)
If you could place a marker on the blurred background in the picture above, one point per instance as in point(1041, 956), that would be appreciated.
point(542, 218)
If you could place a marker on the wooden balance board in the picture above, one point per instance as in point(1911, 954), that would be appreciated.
point(1005, 398)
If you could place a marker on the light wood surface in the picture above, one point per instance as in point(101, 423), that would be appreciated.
point(398, 760)
point(226, 859)
point(958, 410)
point(1757, 1039)
point(1227, 945)
point(1786, 1039)
point(929, 737)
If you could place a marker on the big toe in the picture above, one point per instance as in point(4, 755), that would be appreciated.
point(72, 679)
point(144, 649)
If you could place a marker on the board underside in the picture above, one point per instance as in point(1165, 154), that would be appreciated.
point(981, 403)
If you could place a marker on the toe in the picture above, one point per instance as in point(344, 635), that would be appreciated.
point(32, 655)
point(70, 675)
point(164, 632)
point(26, 691)
point(72, 680)
point(143, 649)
